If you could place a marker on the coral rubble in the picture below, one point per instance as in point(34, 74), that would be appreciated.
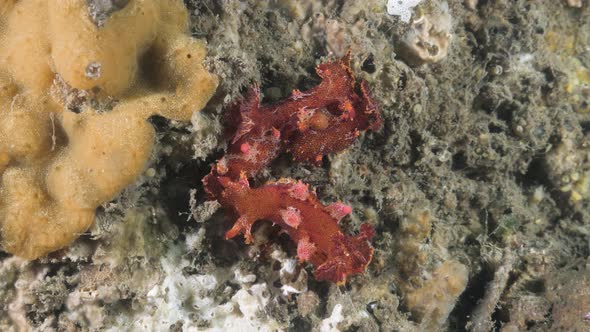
point(429, 36)
point(75, 97)
point(402, 8)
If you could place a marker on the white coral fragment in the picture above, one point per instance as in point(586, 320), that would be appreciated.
point(574, 3)
point(330, 324)
point(429, 37)
point(402, 8)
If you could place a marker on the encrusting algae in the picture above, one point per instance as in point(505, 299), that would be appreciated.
point(75, 96)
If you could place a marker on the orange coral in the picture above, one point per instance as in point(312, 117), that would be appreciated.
point(309, 125)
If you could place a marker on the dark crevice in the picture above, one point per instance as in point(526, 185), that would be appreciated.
point(468, 301)
point(459, 161)
point(300, 324)
point(416, 142)
point(505, 113)
point(535, 175)
point(494, 128)
point(369, 65)
point(535, 286)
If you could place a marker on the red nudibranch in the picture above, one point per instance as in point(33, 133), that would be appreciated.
point(308, 125)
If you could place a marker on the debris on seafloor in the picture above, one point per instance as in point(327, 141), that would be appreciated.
point(402, 8)
point(471, 4)
point(574, 3)
point(482, 315)
point(429, 36)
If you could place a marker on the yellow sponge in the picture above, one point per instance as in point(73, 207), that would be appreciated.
point(58, 166)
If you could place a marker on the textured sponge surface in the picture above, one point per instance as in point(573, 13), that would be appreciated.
point(75, 97)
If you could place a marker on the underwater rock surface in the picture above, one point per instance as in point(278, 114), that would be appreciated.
point(477, 184)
